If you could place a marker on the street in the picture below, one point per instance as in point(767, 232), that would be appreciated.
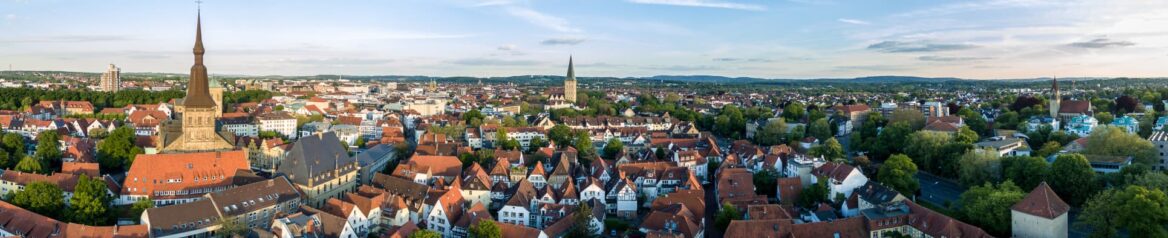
point(938, 190)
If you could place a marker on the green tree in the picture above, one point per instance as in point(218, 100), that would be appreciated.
point(48, 149)
point(98, 133)
point(583, 227)
point(897, 172)
point(892, 139)
point(814, 194)
point(231, 227)
point(966, 135)
point(1115, 141)
point(1104, 117)
point(773, 133)
point(988, 206)
point(830, 150)
point(1048, 149)
point(660, 152)
point(6, 162)
point(42, 198)
point(613, 148)
point(470, 116)
point(485, 228)
point(980, 166)
point(583, 144)
point(90, 202)
point(425, 234)
point(1073, 179)
point(820, 129)
point(31, 165)
point(1026, 172)
point(765, 182)
point(536, 143)
point(14, 143)
point(140, 206)
point(974, 120)
point(725, 215)
point(914, 118)
point(116, 152)
point(561, 135)
point(1141, 211)
point(794, 112)
point(924, 147)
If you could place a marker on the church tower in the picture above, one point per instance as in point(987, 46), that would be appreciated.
point(197, 125)
point(1055, 100)
point(570, 84)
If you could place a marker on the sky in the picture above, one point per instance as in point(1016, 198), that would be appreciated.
point(990, 39)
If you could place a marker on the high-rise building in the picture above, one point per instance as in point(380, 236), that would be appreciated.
point(111, 80)
point(570, 84)
point(196, 129)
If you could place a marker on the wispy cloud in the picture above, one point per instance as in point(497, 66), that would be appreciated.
point(704, 3)
point(563, 41)
point(508, 49)
point(68, 39)
point(338, 62)
point(753, 60)
point(493, 62)
point(936, 58)
point(1100, 43)
point(683, 68)
point(10, 17)
point(489, 3)
point(903, 47)
point(540, 19)
point(853, 21)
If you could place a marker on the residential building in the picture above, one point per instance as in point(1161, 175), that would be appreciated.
point(279, 122)
point(1160, 140)
point(111, 80)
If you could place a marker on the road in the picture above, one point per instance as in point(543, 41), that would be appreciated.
point(938, 190)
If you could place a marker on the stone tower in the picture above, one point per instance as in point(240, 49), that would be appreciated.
point(570, 84)
point(197, 126)
point(216, 90)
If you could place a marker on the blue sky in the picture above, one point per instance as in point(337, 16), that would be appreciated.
point(771, 39)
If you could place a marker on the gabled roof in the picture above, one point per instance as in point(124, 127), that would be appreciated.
point(1043, 202)
point(318, 156)
point(179, 172)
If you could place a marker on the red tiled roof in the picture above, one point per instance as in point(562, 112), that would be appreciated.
point(178, 172)
point(1043, 202)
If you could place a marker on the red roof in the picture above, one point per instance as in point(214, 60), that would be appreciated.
point(183, 172)
point(1043, 202)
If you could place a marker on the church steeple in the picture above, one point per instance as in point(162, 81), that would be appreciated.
point(198, 94)
point(571, 71)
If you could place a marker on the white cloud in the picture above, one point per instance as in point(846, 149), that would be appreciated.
point(563, 41)
point(506, 47)
point(853, 21)
point(541, 19)
point(10, 17)
point(704, 3)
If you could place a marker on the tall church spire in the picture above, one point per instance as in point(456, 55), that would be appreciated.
point(198, 94)
point(571, 71)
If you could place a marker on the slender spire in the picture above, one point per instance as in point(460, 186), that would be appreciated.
point(571, 72)
point(198, 94)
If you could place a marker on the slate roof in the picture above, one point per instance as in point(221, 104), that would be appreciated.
point(317, 156)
